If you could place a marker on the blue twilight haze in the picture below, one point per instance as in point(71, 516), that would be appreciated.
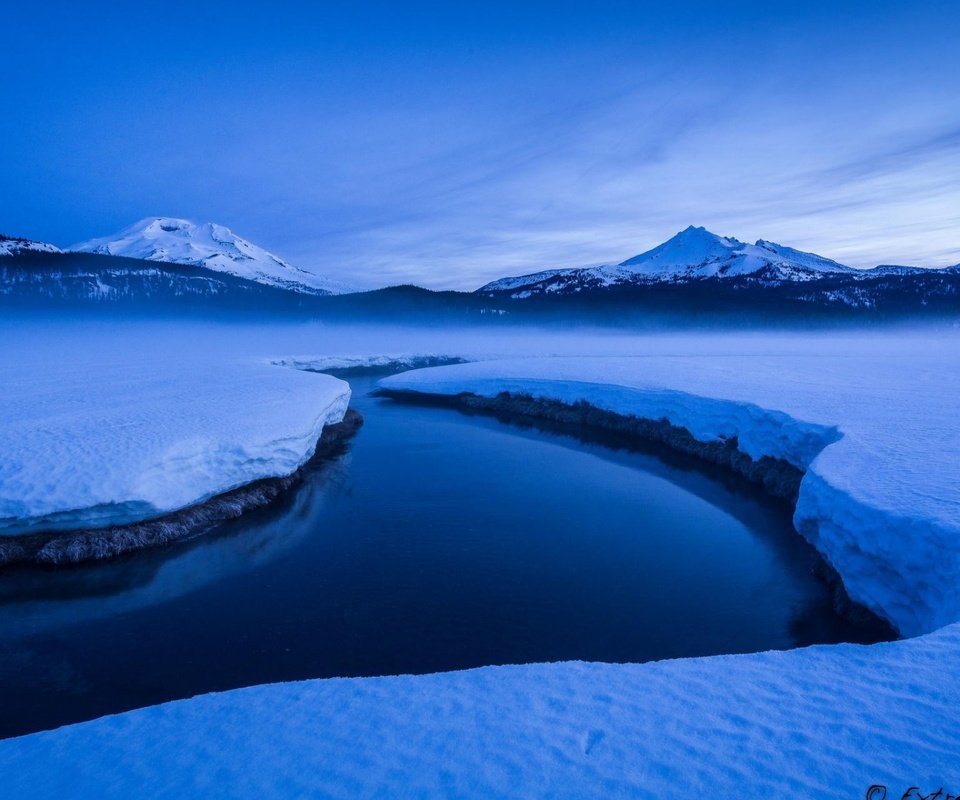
point(451, 144)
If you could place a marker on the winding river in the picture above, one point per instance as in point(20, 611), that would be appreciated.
point(437, 540)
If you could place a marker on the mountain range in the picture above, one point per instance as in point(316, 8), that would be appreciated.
point(165, 262)
point(694, 254)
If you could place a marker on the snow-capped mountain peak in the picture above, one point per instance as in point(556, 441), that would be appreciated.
point(693, 253)
point(14, 245)
point(691, 246)
point(215, 247)
point(698, 253)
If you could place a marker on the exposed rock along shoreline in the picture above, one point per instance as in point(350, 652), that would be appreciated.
point(56, 548)
point(775, 476)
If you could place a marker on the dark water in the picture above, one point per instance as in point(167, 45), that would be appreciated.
point(438, 541)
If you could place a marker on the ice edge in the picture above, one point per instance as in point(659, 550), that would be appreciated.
point(861, 542)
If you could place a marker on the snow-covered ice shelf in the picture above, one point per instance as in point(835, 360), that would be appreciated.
point(811, 723)
point(357, 363)
point(876, 434)
point(99, 441)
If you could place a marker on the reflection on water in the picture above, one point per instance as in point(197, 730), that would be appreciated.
point(34, 599)
point(437, 541)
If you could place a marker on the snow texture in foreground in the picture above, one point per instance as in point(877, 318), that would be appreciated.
point(877, 435)
point(180, 241)
point(813, 723)
point(92, 444)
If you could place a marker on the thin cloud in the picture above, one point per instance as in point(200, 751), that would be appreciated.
point(923, 148)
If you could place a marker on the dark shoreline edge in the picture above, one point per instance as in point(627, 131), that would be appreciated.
point(60, 548)
point(776, 477)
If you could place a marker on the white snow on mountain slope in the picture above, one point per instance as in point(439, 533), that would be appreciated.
point(14, 245)
point(504, 284)
point(899, 269)
point(117, 435)
point(692, 253)
point(804, 724)
point(215, 247)
point(875, 432)
point(696, 252)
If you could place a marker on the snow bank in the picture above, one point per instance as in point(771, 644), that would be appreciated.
point(819, 722)
point(94, 443)
point(361, 363)
point(877, 435)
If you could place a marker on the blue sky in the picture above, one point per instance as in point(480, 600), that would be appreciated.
point(449, 144)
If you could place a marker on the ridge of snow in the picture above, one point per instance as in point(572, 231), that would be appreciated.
point(519, 281)
point(880, 497)
point(525, 280)
point(180, 241)
point(12, 245)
